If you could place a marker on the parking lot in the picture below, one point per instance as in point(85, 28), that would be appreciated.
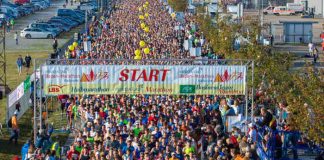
point(26, 45)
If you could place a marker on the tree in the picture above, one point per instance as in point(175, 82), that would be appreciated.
point(272, 72)
point(272, 69)
point(178, 5)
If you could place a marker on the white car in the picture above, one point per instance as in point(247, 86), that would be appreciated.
point(283, 11)
point(268, 10)
point(37, 33)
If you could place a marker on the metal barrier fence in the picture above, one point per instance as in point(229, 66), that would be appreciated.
point(289, 142)
point(25, 104)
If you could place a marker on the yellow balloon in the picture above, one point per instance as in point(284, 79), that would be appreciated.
point(141, 17)
point(71, 47)
point(140, 9)
point(146, 2)
point(146, 29)
point(75, 44)
point(146, 50)
point(144, 5)
point(137, 52)
point(142, 44)
point(137, 57)
point(173, 15)
point(146, 14)
point(143, 25)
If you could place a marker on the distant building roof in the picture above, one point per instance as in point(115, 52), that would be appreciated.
point(296, 22)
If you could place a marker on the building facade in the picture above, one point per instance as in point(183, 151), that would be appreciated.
point(317, 6)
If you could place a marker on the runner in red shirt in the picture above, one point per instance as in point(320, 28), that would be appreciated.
point(62, 99)
point(72, 153)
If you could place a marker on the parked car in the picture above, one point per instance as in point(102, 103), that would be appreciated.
point(80, 12)
point(61, 22)
point(75, 20)
point(282, 10)
point(31, 7)
point(10, 4)
point(26, 11)
point(46, 26)
point(65, 20)
point(65, 28)
point(70, 13)
point(20, 2)
point(268, 10)
point(41, 5)
point(9, 10)
point(88, 7)
point(7, 16)
point(37, 33)
point(34, 1)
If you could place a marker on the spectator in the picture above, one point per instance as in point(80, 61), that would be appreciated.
point(12, 23)
point(20, 63)
point(268, 119)
point(8, 27)
point(252, 133)
point(311, 49)
point(28, 61)
point(16, 37)
point(315, 55)
point(15, 128)
point(55, 45)
point(236, 107)
point(290, 137)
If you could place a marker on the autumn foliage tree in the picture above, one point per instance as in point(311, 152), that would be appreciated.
point(273, 72)
point(178, 5)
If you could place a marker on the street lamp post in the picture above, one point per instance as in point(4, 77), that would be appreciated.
point(262, 13)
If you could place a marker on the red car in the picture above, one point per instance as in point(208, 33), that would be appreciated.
point(20, 2)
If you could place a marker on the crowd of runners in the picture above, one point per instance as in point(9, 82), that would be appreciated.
point(157, 126)
point(151, 127)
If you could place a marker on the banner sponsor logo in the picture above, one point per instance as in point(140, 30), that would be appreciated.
point(187, 89)
point(227, 77)
point(92, 76)
point(144, 79)
point(55, 88)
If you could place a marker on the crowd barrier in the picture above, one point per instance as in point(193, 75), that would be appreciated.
point(292, 140)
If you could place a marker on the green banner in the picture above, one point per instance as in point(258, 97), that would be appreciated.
point(27, 83)
point(187, 89)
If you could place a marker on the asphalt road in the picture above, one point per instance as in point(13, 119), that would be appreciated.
point(27, 45)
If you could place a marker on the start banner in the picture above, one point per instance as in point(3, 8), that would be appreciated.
point(144, 79)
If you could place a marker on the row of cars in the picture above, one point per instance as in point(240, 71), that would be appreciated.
point(65, 20)
point(11, 11)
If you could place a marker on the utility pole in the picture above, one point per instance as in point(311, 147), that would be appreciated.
point(101, 6)
point(3, 76)
point(323, 9)
point(3, 73)
point(86, 21)
point(261, 13)
point(259, 8)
